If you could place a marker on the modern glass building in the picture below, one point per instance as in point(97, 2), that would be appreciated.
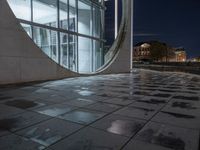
point(69, 31)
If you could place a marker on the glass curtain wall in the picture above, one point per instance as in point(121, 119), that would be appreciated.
point(68, 31)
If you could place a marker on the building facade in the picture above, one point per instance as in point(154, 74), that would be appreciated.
point(143, 52)
point(180, 55)
point(55, 39)
point(70, 32)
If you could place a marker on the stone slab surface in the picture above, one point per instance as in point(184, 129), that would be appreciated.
point(143, 110)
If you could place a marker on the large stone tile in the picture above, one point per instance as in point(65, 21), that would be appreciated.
point(55, 110)
point(142, 92)
point(91, 139)
point(21, 121)
point(14, 142)
point(121, 125)
point(182, 120)
point(136, 112)
point(80, 102)
point(51, 97)
point(104, 107)
point(119, 101)
point(8, 111)
point(4, 132)
point(4, 98)
point(182, 108)
point(82, 116)
point(184, 104)
point(187, 97)
point(150, 102)
point(169, 136)
point(49, 132)
point(162, 94)
point(24, 104)
point(140, 145)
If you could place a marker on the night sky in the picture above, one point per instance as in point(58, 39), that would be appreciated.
point(176, 22)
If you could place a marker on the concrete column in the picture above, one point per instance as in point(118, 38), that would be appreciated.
point(116, 18)
point(119, 57)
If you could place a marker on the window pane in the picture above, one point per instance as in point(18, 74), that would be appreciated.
point(47, 41)
point(45, 12)
point(73, 52)
point(27, 28)
point(96, 21)
point(63, 4)
point(21, 8)
point(98, 55)
point(64, 50)
point(84, 54)
point(72, 15)
point(84, 18)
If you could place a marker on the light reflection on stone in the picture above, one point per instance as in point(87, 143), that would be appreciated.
point(124, 127)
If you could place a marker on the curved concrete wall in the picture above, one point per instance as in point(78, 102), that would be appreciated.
point(22, 61)
point(120, 53)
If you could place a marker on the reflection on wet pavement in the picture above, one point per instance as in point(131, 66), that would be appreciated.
point(82, 116)
point(23, 104)
point(168, 136)
point(143, 110)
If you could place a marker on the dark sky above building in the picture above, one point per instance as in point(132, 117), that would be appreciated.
point(176, 22)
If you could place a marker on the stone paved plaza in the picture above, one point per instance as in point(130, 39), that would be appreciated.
point(144, 110)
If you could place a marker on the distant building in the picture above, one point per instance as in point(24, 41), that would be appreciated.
point(196, 59)
point(143, 52)
point(180, 55)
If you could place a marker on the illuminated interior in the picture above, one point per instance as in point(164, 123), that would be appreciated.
point(69, 31)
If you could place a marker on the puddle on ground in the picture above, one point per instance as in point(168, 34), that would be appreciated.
point(192, 98)
point(168, 141)
point(23, 104)
point(85, 92)
point(195, 79)
point(88, 144)
point(5, 98)
point(55, 111)
point(195, 89)
point(104, 95)
point(7, 124)
point(141, 93)
point(145, 109)
point(172, 87)
point(82, 117)
point(153, 101)
point(124, 127)
point(161, 95)
point(170, 91)
point(151, 86)
point(179, 115)
point(183, 105)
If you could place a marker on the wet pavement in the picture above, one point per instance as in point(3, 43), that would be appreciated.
point(143, 110)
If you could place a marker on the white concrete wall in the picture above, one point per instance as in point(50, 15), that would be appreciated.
point(20, 59)
point(120, 54)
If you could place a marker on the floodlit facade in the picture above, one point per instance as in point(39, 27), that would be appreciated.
point(54, 39)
